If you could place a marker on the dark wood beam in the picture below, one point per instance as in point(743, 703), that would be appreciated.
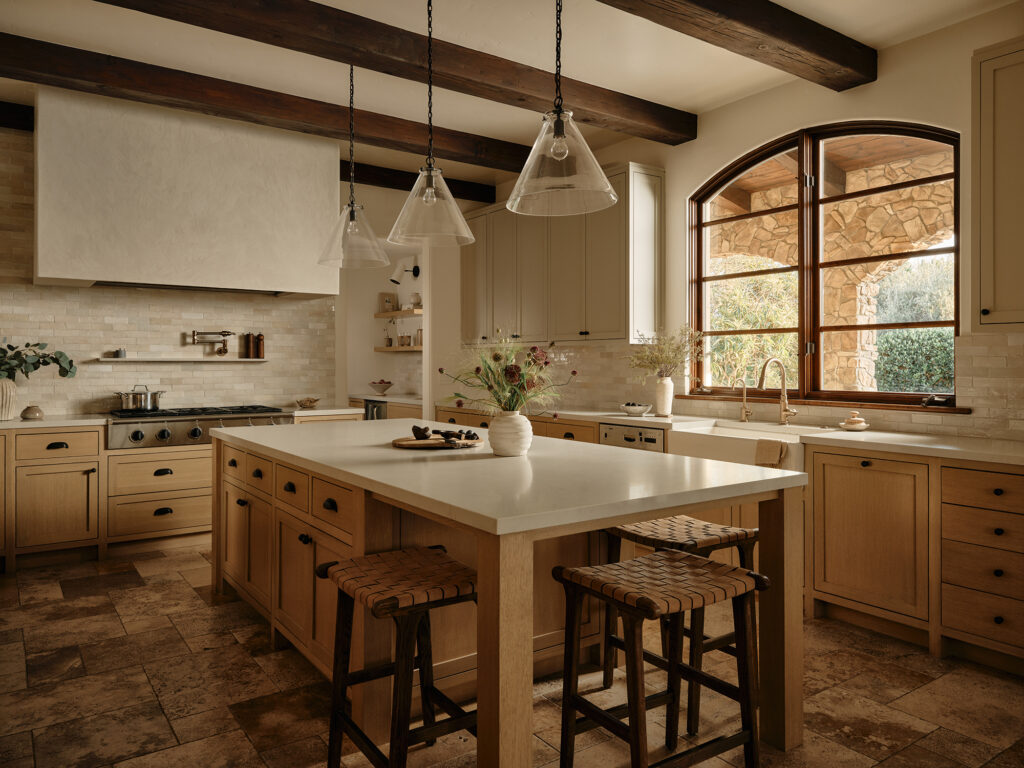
point(735, 199)
point(391, 178)
point(35, 61)
point(20, 117)
point(767, 33)
point(320, 30)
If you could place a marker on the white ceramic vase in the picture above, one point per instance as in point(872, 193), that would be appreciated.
point(510, 434)
point(663, 392)
point(8, 397)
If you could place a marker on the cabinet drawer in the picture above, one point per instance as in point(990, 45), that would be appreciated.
point(292, 487)
point(579, 432)
point(259, 473)
point(334, 504)
point(1002, 530)
point(233, 462)
point(997, 618)
point(974, 488)
point(147, 514)
point(150, 474)
point(984, 568)
point(56, 445)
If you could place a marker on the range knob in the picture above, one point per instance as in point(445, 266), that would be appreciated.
point(137, 436)
point(163, 434)
point(195, 433)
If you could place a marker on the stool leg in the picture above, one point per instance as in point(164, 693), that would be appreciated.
point(697, 662)
point(746, 552)
point(636, 704)
point(745, 621)
point(675, 656)
point(401, 698)
point(426, 672)
point(570, 675)
point(610, 617)
point(339, 685)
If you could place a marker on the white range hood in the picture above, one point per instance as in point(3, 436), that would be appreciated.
point(131, 193)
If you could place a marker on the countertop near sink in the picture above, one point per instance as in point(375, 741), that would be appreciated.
point(409, 399)
point(618, 417)
point(326, 412)
point(57, 422)
point(942, 446)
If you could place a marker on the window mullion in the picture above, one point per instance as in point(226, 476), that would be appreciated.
point(809, 185)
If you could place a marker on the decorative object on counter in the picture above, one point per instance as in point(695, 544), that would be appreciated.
point(381, 386)
point(387, 302)
point(25, 360)
point(140, 399)
point(120, 352)
point(307, 402)
point(430, 215)
point(438, 439)
point(260, 350)
point(663, 355)
point(416, 299)
point(353, 243)
point(213, 337)
point(854, 422)
point(509, 377)
point(561, 176)
point(635, 409)
point(32, 413)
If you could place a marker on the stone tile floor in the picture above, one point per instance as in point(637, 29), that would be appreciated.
point(137, 663)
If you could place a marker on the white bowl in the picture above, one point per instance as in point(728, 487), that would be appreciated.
point(379, 388)
point(635, 410)
point(854, 427)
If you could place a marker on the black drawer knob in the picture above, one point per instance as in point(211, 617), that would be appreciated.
point(985, 311)
point(998, 619)
point(257, 473)
point(241, 502)
point(998, 531)
point(997, 572)
point(305, 538)
point(162, 511)
point(451, 420)
point(90, 471)
point(163, 471)
point(289, 487)
point(57, 446)
point(998, 491)
point(569, 436)
point(865, 463)
point(323, 568)
point(232, 463)
point(515, 335)
point(331, 505)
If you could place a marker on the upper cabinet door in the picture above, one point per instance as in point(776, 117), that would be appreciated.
point(999, 197)
point(503, 274)
point(532, 273)
point(567, 268)
point(607, 267)
point(476, 320)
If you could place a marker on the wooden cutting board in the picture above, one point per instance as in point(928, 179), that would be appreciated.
point(435, 442)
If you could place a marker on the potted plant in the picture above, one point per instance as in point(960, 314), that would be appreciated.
point(508, 377)
point(25, 360)
point(664, 354)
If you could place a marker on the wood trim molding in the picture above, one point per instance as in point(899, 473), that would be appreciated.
point(19, 117)
point(331, 33)
point(36, 61)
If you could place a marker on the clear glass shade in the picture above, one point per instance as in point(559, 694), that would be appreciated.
point(430, 215)
point(561, 176)
point(353, 243)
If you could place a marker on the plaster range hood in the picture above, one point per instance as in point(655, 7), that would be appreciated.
point(134, 194)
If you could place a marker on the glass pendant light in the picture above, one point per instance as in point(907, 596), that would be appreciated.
point(561, 176)
point(430, 215)
point(353, 243)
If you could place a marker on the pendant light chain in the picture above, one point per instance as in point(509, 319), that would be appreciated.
point(430, 83)
point(558, 56)
point(351, 137)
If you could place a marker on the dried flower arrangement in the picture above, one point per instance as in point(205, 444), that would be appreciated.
point(665, 353)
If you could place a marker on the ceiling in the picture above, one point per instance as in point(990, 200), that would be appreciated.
point(601, 45)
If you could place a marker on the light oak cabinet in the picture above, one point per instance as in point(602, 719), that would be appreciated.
point(56, 504)
point(474, 283)
point(998, 166)
point(404, 411)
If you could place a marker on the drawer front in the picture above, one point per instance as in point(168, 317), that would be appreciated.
point(233, 462)
point(991, 490)
point(997, 618)
point(578, 432)
point(56, 445)
point(990, 570)
point(153, 474)
point(132, 515)
point(259, 473)
point(292, 487)
point(404, 411)
point(987, 527)
point(334, 504)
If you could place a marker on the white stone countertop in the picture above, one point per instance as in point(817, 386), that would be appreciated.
point(411, 399)
point(941, 446)
point(618, 417)
point(56, 422)
point(558, 482)
point(326, 412)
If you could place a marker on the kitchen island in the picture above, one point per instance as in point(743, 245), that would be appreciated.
point(291, 498)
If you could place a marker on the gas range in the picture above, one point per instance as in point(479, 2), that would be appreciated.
point(184, 426)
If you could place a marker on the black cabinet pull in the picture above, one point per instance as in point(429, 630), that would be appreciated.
point(629, 439)
point(162, 511)
point(289, 487)
point(257, 473)
point(451, 420)
point(583, 333)
point(998, 491)
point(323, 568)
point(90, 471)
point(163, 471)
point(985, 311)
point(515, 335)
point(483, 424)
point(997, 572)
point(57, 446)
point(241, 502)
point(232, 463)
point(305, 538)
point(569, 436)
point(331, 505)
point(998, 531)
point(998, 619)
point(865, 463)
point(484, 338)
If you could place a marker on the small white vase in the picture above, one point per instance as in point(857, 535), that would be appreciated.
point(510, 434)
point(8, 397)
point(663, 391)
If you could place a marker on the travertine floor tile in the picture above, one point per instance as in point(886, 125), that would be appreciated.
point(205, 619)
point(100, 585)
point(970, 752)
point(861, 724)
point(815, 752)
point(176, 562)
point(199, 577)
point(884, 681)
point(279, 718)
point(288, 669)
point(155, 600)
point(310, 752)
point(1010, 758)
point(213, 640)
point(54, 666)
point(254, 638)
point(204, 725)
point(226, 750)
point(64, 632)
point(918, 757)
point(52, 613)
point(131, 650)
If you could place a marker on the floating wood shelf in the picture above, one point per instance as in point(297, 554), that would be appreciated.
point(401, 313)
point(179, 360)
point(398, 349)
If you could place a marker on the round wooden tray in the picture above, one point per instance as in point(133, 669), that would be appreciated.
point(433, 443)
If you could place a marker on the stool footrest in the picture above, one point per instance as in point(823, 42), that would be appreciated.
point(586, 723)
point(702, 752)
point(685, 671)
point(450, 708)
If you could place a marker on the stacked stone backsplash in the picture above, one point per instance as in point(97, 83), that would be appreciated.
point(88, 323)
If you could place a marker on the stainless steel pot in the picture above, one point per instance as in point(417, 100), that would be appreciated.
point(140, 399)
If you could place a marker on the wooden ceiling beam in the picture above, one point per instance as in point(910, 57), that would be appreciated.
point(391, 178)
point(36, 61)
point(331, 33)
point(768, 33)
point(20, 117)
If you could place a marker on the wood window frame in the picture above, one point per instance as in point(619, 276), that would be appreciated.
point(807, 142)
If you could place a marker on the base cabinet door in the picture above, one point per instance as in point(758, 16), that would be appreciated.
point(56, 503)
point(293, 572)
point(871, 532)
point(235, 503)
point(326, 549)
point(259, 550)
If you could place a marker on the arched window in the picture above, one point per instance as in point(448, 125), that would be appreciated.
point(835, 250)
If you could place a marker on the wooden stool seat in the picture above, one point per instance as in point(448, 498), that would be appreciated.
point(684, 533)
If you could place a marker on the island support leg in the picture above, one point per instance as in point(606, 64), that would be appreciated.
point(505, 651)
point(781, 619)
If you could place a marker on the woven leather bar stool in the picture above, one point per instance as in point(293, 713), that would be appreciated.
point(661, 585)
point(405, 585)
point(685, 534)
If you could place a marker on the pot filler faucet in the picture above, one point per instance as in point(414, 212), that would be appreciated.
point(784, 410)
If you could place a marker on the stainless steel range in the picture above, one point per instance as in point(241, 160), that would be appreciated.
point(184, 426)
